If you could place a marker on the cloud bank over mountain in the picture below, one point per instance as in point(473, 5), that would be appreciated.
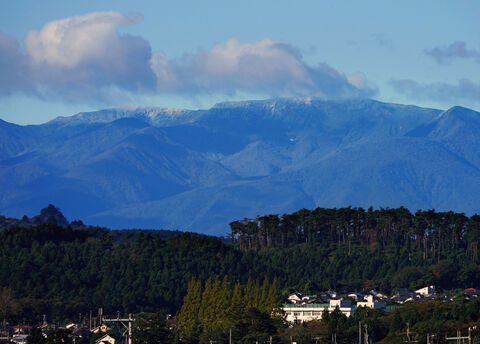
point(465, 89)
point(456, 50)
point(265, 66)
point(86, 57)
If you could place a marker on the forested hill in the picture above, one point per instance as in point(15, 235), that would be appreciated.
point(52, 215)
point(383, 248)
point(436, 235)
point(63, 271)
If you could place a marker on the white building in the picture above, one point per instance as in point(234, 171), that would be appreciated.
point(426, 291)
point(297, 313)
point(370, 302)
point(299, 298)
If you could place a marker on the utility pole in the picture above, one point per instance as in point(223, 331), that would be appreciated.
point(127, 324)
point(130, 322)
point(461, 339)
point(409, 339)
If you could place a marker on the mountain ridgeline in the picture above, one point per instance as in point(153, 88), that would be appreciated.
point(199, 170)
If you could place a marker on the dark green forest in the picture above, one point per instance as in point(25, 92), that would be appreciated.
point(65, 270)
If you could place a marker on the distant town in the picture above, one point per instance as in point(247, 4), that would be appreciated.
point(301, 308)
point(298, 308)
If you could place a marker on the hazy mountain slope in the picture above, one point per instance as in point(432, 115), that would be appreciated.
point(458, 129)
point(210, 209)
point(199, 170)
point(401, 171)
point(388, 173)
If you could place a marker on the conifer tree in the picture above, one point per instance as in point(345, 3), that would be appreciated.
point(249, 294)
point(274, 298)
point(223, 302)
point(237, 304)
point(257, 295)
point(262, 304)
point(188, 324)
point(203, 314)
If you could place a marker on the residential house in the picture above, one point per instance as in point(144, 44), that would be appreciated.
point(402, 295)
point(295, 297)
point(299, 298)
point(378, 295)
point(355, 296)
point(472, 292)
point(370, 302)
point(426, 291)
point(106, 339)
point(332, 294)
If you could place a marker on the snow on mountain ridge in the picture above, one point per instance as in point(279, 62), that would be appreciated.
point(151, 115)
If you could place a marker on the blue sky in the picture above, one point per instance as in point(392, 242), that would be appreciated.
point(62, 57)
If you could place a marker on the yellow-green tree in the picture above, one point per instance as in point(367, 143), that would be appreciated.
point(188, 323)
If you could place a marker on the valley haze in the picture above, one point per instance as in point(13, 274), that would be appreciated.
point(198, 170)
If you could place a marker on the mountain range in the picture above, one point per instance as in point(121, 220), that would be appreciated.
point(198, 170)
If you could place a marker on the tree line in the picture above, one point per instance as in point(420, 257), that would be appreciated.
point(437, 235)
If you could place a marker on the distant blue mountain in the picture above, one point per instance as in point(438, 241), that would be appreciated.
point(199, 170)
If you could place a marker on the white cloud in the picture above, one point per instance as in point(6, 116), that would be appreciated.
point(92, 37)
point(263, 66)
point(85, 58)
